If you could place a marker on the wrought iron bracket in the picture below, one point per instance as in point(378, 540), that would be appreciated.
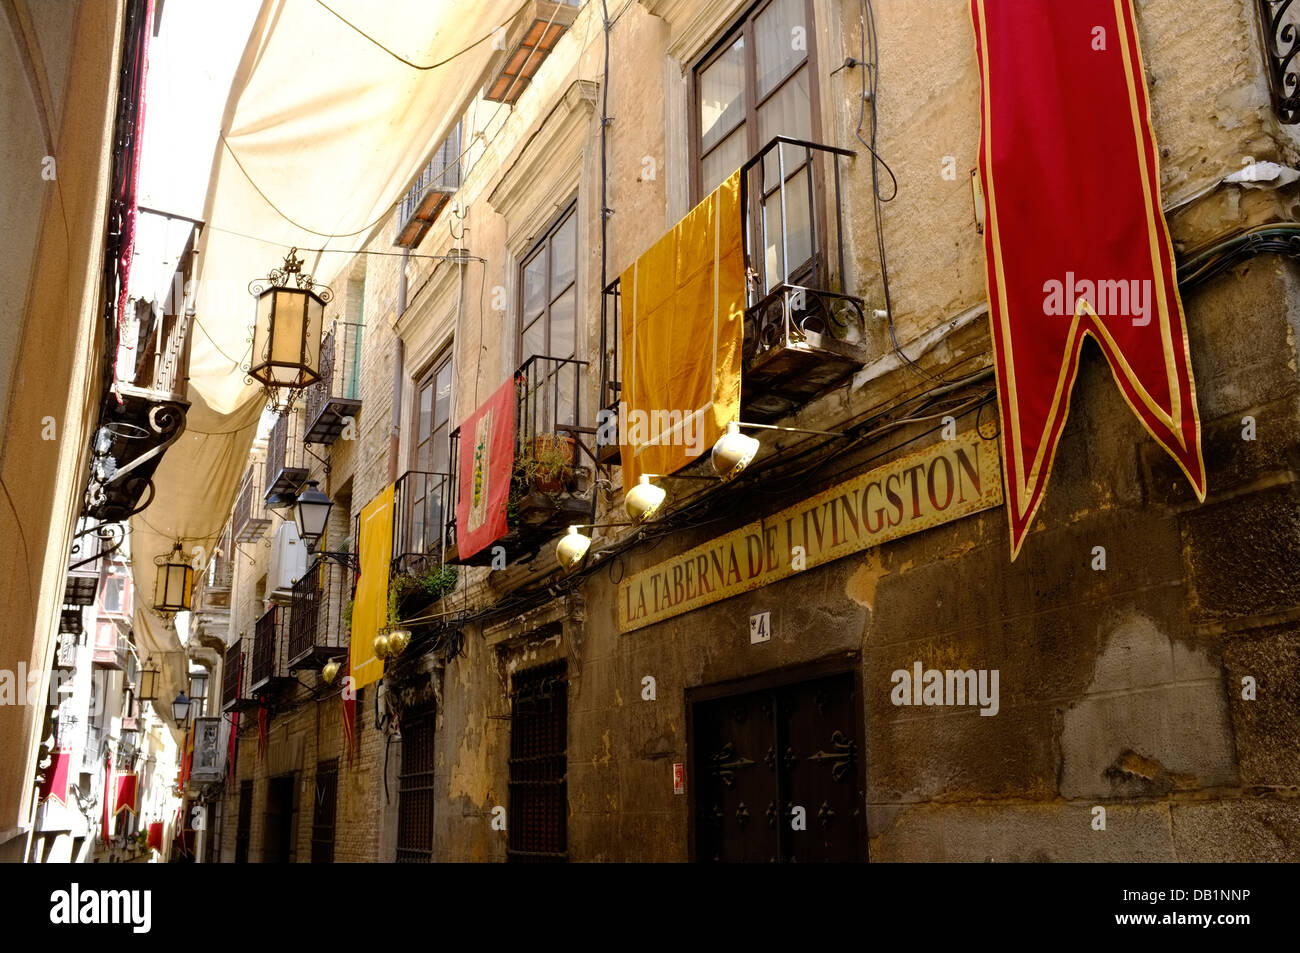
point(1281, 41)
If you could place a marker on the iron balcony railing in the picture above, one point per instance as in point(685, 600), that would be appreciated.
point(270, 664)
point(251, 519)
point(550, 480)
point(318, 623)
point(235, 694)
point(430, 192)
point(803, 333)
point(337, 395)
point(286, 456)
point(422, 508)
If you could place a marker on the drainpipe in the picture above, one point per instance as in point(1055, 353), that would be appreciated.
point(399, 360)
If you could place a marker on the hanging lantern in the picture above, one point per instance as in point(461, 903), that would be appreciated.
point(173, 587)
point(311, 511)
point(181, 709)
point(149, 677)
point(287, 332)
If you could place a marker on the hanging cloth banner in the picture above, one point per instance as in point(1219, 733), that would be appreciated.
point(54, 787)
point(683, 315)
point(1075, 241)
point(156, 836)
point(370, 605)
point(105, 797)
point(349, 700)
point(232, 748)
point(127, 789)
point(487, 459)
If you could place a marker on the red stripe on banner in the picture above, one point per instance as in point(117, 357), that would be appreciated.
point(1075, 241)
point(349, 699)
point(106, 796)
point(232, 748)
point(487, 460)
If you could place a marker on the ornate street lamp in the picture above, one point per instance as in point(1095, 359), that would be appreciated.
point(287, 332)
point(310, 513)
point(181, 709)
point(174, 585)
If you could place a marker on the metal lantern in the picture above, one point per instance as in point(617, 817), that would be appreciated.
point(173, 587)
point(287, 332)
point(310, 514)
point(181, 708)
point(149, 682)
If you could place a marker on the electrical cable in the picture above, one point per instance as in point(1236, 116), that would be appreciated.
point(431, 66)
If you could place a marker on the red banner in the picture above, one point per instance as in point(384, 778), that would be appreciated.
point(487, 459)
point(127, 789)
point(349, 698)
point(232, 748)
point(105, 797)
point(1075, 240)
point(156, 836)
point(54, 786)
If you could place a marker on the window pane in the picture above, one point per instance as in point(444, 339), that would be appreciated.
point(564, 255)
point(788, 113)
point(722, 95)
point(534, 340)
point(442, 399)
point(565, 411)
point(562, 326)
point(723, 161)
point(441, 451)
point(799, 234)
point(535, 285)
point(426, 414)
point(781, 37)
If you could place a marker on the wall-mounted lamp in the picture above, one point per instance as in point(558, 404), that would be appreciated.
point(573, 545)
point(734, 450)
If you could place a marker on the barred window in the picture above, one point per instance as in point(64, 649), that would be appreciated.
point(539, 806)
point(415, 788)
point(323, 814)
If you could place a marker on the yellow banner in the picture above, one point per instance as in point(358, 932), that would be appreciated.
point(683, 313)
point(945, 482)
point(370, 605)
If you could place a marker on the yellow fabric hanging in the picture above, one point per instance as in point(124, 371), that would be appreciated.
point(370, 605)
point(683, 309)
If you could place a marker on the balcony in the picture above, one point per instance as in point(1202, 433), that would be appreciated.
point(286, 456)
point(269, 668)
point(430, 193)
point(112, 649)
point(551, 484)
point(144, 413)
point(802, 334)
point(318, 622)
point(235, 695)
point(337, 395)
point(421, 514)
point(251, 519)
point(212, 591)
point(536, 30)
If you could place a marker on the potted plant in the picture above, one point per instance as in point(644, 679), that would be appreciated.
point(550, 465)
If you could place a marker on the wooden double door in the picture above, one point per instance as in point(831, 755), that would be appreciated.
point(777, 771)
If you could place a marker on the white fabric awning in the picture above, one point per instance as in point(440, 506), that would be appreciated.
point(323, 132)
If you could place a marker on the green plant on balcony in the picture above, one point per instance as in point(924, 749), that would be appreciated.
point(411, 593)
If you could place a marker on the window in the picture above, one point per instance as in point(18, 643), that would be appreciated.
point(415, 788)
point(760, 82)
point(548, 316)
point(114, 591)
point(322, 821)
point(433, 413)
point(539, 725)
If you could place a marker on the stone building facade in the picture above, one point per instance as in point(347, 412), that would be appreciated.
point(1145, 644)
